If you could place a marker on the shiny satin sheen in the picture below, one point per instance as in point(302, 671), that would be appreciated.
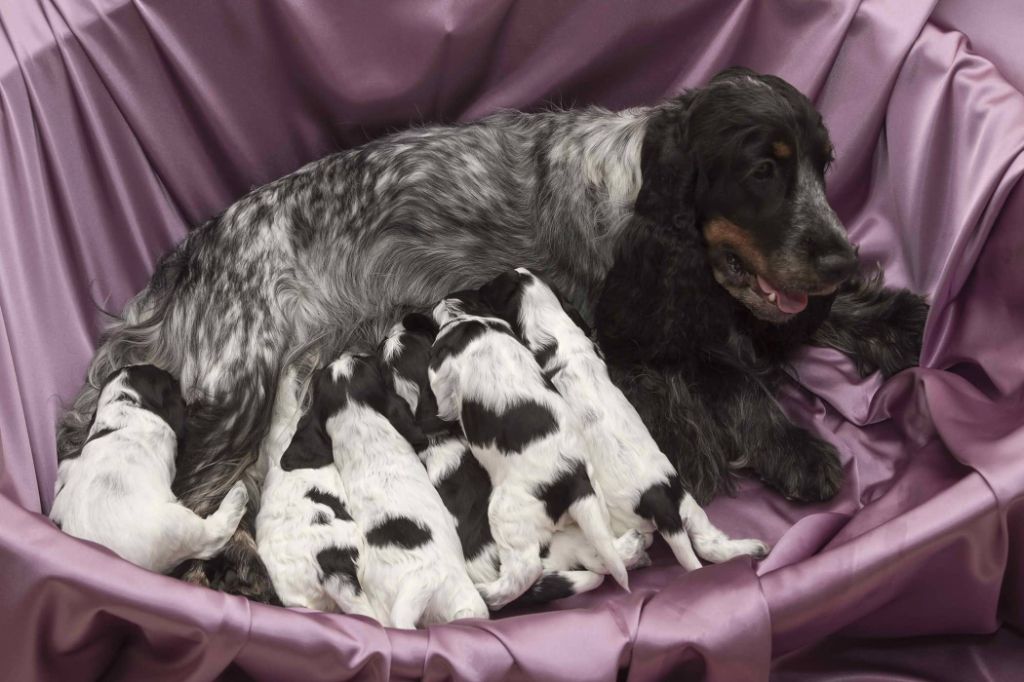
point(123, 123)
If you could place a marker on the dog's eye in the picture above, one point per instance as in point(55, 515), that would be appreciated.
point(735, 266)
point(763, 170)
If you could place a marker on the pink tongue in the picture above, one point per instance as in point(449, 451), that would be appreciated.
point(789, 303)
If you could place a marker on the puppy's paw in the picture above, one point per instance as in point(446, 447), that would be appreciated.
point(750, 547)
point(630, 546)
point(234, 503)
point(643, 561)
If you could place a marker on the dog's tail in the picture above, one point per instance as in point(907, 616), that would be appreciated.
point(557, 585)
point(591, 515)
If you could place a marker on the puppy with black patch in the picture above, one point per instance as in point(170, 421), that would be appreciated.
point(413, 570)
point(118, 492)
point(465, 486)
point(640, 484)
point(305, 535)
point(520, 431)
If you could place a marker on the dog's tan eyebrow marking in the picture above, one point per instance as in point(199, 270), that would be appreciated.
point(781, 150)
point(723, 233)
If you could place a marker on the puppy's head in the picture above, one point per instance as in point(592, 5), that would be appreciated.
point(749, 153)
point(358, 379)
point(530, 305)
point(149, 388)
point(405, 360)
point(460, 304)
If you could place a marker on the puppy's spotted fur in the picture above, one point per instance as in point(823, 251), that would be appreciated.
point(413, 570)
point(465, 487)
point(306, 536)
point(641, 487)
point(521, 432)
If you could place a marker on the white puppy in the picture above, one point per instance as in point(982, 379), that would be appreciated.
point(306, 537)
point(641, 487)
point(464, 485)
point(413, 570)
point(118, 491)
point(520, 431)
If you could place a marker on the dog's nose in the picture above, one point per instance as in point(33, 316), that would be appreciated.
point(835, 267)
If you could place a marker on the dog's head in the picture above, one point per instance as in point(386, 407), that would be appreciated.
point(744, 160)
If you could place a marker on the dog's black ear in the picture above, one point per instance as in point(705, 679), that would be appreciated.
point(420, 323)
point(660, 302)
point(668, 168)
point(503, 295)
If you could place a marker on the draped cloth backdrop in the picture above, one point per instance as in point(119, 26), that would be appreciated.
point(124, 122)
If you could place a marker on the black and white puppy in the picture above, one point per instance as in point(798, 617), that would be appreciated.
point(118, 492)
point(521, 431)
point(305, 535)
point(640, 484)
point(413, 570)
point(464, 484)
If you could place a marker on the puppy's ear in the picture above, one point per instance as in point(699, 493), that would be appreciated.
point(503, 293)
point(160, 393)
point(398, 413)
point(420, 323)
point(667, 168)
point(310, 447)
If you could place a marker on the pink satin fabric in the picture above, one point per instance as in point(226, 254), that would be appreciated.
point(124, 123)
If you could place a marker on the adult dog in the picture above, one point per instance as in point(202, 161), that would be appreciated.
point(362, 236)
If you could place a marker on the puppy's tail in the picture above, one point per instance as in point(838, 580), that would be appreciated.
point(412, 600)
point(558, 585)
point(592, 517)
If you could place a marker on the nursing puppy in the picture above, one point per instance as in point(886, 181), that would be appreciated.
point(521, 432)
point(304, 532)
point(413, 570)
point(465, 486)
point(640, 484)
point(118, 492)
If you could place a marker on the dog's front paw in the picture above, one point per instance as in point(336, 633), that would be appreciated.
point(879, 327)
point(902, 333)
point(808, 471)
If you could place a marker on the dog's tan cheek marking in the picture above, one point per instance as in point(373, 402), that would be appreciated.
point(722, 233)
point(781, 150)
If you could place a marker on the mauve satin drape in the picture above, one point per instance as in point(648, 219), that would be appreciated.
point(124, 122)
